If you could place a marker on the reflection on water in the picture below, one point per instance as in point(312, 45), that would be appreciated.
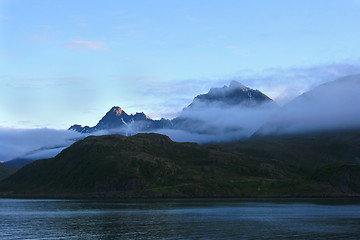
point(180, 219)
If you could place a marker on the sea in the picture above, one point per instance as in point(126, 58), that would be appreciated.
point(180, 219)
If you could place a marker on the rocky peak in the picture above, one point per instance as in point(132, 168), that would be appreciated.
point(117, 110)
point(236, 85)
point(118, 118)
point(140, 116)
point(234, 94)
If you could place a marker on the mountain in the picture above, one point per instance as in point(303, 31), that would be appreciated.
point(151, 165)
point(233, 95)
point(233, 111)
point(330, 106)
point(118, 118)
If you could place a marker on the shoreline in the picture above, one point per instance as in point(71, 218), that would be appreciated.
point(142, 197)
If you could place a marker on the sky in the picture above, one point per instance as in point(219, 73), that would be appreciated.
point(64, 62)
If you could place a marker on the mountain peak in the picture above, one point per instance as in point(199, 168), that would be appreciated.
point(117, 110)
point(234, 94)
point(140, 116)
point(235, 84)
point(118, 118)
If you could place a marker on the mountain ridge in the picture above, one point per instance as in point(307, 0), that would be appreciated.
point(118, 118)
point(236, 94)
point(331, 105)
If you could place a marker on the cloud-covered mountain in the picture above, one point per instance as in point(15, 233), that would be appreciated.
point(333, 105)
point(231, 112)
point(211, 117)
point(223, 114)
point(237, 112)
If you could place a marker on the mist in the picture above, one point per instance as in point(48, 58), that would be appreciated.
point(334, 105)
point(34, 143)
point(220, 123)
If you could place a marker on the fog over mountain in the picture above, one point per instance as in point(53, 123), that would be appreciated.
point(34, 143)
point(223, 114)
point(216, 123)
point(228, 113)
point(333, 105)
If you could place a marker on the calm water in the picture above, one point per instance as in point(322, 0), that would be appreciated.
point(180, 219)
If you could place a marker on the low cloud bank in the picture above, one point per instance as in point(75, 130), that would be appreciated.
point(332, 106)
point(220, 123)
point(209, 123)
point(34, 143)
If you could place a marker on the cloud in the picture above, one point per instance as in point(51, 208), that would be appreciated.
point(284, 84)
point(86, 45)
point(34, 143)
point(222, 123)
point(209, 123)
point(331, 106)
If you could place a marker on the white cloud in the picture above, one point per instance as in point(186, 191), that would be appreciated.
point(286, 84)
point(34, 143)
point(333, 105)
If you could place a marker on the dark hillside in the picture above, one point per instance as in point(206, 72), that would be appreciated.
point(151, 165)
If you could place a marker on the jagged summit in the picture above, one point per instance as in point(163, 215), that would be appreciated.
point(119, 119)
point(113, 118)
point(234, 94)
point(116, 110)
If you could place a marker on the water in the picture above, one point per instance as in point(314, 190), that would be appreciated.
point(180, 219)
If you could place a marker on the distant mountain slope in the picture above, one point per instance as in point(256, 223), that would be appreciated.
point(117, 118)
point(330, 106)
point(331, 157)
point(151, 165)
point(305, 150)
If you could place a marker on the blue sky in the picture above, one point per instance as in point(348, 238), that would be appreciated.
point(64, 62)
